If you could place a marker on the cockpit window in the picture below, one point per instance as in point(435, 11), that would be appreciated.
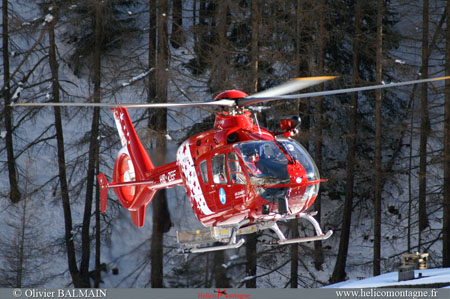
point(265, 162)
point(236, 174)
point(219, 169)
point(302, 156)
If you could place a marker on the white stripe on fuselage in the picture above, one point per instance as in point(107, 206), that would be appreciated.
point(185, 161)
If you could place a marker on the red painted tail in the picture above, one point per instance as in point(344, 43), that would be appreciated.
point(132, 165)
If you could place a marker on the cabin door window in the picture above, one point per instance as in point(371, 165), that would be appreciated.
point(219, 169)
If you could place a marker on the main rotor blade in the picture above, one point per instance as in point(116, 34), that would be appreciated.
point(222, 103)
point(291, 86)
point(252, 100)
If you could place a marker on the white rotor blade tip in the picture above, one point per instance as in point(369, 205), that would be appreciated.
point(292, 86)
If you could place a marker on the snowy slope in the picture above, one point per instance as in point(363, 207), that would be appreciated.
point(430, 278)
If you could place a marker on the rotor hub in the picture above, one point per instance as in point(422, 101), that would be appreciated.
point(230, 94)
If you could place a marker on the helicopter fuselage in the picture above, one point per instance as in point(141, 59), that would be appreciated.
point(239, 171)
point(234, 173)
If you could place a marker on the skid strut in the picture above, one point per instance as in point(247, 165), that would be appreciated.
point(308, 216)
point(228, 235)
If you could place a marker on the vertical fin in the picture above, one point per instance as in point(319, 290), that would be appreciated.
point(103, 184)
point(141, 161)
point(138, 216)
point(137, 201)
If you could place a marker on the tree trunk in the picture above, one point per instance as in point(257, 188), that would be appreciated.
point(250, 245)
point(294, 255)
point(20, 262)
point(378, 122)
point(160, 226)
point(161, 222)
point(341, 259)
point(318, 249)
point(97, 273)
point(152, 34)
point(158, 121)
point(294, 222)
point(70, 246)
point(250, 267)
point(177, 36)
point(14, 194)
point(220, 274)
point(254, 46)
point(93, 150)
point(424, 127)
point(446, 203)
point(220, 63)
point(410, 176)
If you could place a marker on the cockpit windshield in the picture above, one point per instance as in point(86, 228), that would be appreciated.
point(302, 156)
point(265, 162)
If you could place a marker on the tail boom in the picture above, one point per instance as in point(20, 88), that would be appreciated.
point(166, 176)
point(135, 179)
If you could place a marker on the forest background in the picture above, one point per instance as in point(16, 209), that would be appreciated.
point(385, 154)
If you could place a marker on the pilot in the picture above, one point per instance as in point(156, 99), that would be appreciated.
point(251, 164)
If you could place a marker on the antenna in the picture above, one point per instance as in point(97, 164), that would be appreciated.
point(256, 120)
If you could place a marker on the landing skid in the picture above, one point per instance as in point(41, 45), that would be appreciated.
point(310, 217)
point(197, 241)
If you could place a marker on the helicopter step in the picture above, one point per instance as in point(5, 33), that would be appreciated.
point(195, 238)
point(205, 235)
point(228, 235)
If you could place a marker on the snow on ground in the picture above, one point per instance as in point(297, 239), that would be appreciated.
point(428, 277)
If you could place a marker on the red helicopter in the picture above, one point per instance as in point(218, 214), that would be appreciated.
point(240, 178)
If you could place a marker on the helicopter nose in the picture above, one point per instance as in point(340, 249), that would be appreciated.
point(302, 191)
point(297, 174)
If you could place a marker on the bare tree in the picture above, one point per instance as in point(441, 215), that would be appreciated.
point(177, 36)
point(23, 249)
point(446, 199)
point(251, 240)
point(255, 17)
point(93, 148)
point(341, 259)
point(318, 249)
point(424, 125)
point(158, 122)
point(221, 280)
point(68, 224)
point(220, 59)
point(14, 188)
point(378, 123)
